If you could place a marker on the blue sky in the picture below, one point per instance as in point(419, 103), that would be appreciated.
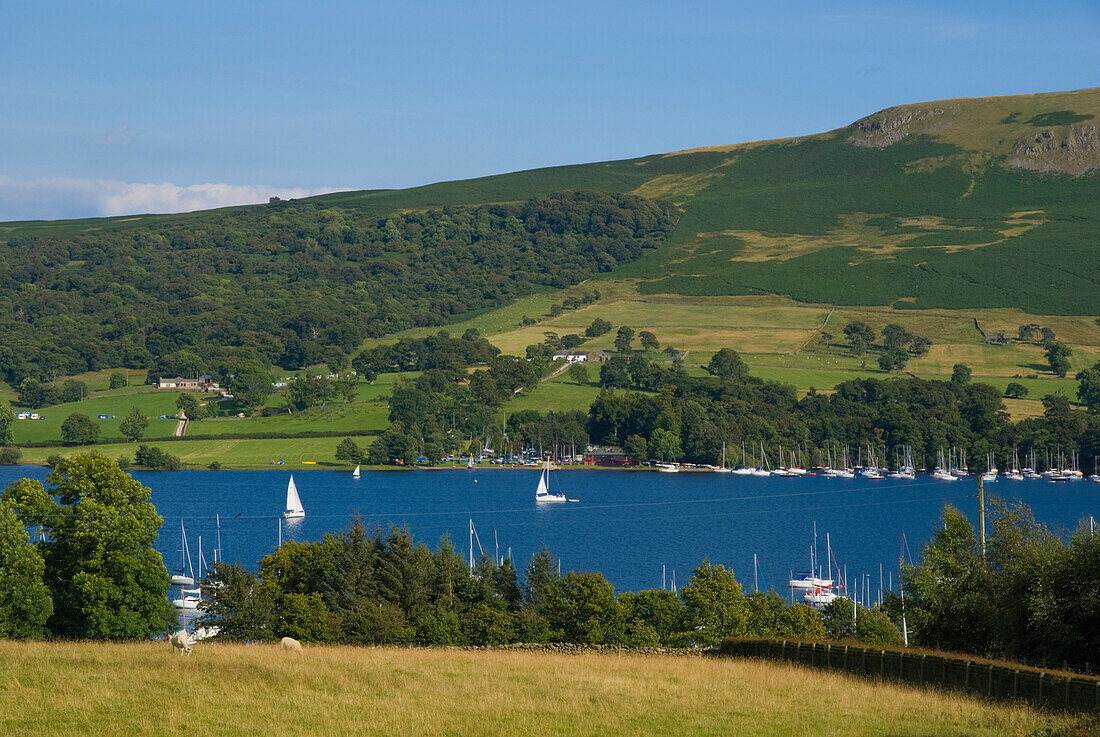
point(113, 107)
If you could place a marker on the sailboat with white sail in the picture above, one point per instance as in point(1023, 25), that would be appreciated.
point(294, 509)
point(355, 474)
point(542, 491)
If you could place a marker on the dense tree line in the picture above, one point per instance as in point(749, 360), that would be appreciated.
point(418, 354)
point(364, 587)
point(1032, 596)
point(451, 411)
point(689, 418)
point(292, 283)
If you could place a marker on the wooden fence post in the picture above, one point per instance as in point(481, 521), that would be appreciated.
point(922, 659)
point(1015, 684)
point(966, 679)
point(882, 663)
point(1040, 686)
point(990, 690)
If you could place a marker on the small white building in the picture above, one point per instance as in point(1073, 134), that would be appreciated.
point(581, 356)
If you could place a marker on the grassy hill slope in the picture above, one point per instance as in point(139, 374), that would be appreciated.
point(145, 689)
point(979, 202)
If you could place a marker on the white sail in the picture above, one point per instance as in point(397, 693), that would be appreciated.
point(355, 473)
point(294, 507)
point(542, 491)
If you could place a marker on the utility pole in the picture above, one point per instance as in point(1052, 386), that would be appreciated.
point(981, 516)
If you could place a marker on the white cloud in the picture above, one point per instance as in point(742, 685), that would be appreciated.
point(61, 197)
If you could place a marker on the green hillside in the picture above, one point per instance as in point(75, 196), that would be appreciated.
point(984, 202)
point(957, 204)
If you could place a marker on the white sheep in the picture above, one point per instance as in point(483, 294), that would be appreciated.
point(290, 645)
point(179, 641)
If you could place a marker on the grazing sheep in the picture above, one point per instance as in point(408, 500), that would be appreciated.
point(290, 645)
point(179, 641)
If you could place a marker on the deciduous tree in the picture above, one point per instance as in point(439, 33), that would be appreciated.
point(79, 429)
point(106, 579)
point(133, 427)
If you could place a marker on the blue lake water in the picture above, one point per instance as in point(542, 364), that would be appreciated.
point(626, 524)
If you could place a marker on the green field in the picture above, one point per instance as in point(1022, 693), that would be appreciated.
point(230, 453)
point(145, 689)
point(368, 412)
point(560, 394)
point(116, 404)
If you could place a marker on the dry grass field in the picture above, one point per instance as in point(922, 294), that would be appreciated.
point(225, 690)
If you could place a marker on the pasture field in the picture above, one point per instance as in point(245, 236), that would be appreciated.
point(115, 404)
point(145, 689)
point(230, 453)
point(368, 411)
point(559, 393)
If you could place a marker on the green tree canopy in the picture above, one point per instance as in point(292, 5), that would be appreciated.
point(106, 579)
point(860, 335)
point(1058, 354)
point(893, 359)
point(79, 429)
point(25, 603)
point(133, 427)
point(947, 593)
point(1088, 389)
point(960, 374)
point(715, 604)
point(188, 403)
point(623, 338)
point(598, 327)
point(251, 384)
point(583, 608)
point(349, 451)
point(7, 421)
point(728, 364)
point(578, 373)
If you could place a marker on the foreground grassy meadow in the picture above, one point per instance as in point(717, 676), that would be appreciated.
point(145, 689)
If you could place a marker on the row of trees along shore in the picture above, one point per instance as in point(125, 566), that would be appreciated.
point(92, 573)
point(657, 410)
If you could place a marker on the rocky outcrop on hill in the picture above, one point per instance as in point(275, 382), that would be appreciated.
point(889, 126)
point(1074, 150)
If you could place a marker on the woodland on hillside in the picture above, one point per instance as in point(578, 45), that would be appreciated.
point(294, 284)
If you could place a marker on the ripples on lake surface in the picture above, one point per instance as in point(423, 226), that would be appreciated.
point(626, 524)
